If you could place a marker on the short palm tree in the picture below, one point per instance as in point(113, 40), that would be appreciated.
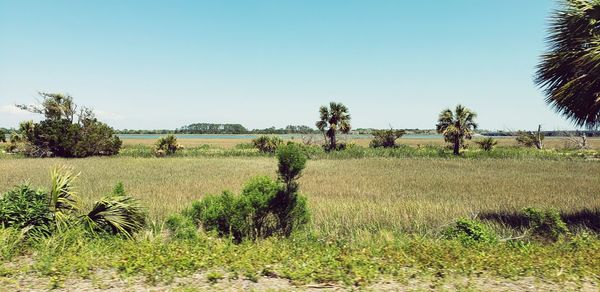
point(569, 72)
point(457, 126)
point(333, 119)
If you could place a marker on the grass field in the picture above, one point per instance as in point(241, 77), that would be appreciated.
point(377, 223)
point(344, 195)
point(550, 142)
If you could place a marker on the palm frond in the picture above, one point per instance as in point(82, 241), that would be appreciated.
point(116, 215)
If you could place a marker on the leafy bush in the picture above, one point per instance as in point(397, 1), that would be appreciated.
point(470, 231)
point(487, 143)
point(24, 207)
point(166, 146)
point(386, 138)
point(181, 227)
point(65, 131)
point(267, 144)
point(59, 209)
point(546, 223)
point(264, 208)
point(216, 213)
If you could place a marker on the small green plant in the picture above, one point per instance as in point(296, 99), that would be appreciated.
point(386, 138)
point(166, 146)
point(487, 144)
point(267, 144)
point(546, 224)
point(470, 231)
point(24, 207)
point(181, 227)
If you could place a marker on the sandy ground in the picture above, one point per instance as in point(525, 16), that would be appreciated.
point(105, 280)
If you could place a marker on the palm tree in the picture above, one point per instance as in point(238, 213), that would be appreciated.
point(333, 119)
point(569, 73)
point(457, 126)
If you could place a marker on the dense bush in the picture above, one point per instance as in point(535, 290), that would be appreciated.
point(264, 208)
point(470, 231)
point(65, 131)
point(166, 146)
point(181, 227)
point(24, 207)
point(487, 143)
point(267, 144)
point(386, 138)
point(58, 209)
point(546, 223)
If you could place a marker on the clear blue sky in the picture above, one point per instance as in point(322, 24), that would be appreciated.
point(164, 64)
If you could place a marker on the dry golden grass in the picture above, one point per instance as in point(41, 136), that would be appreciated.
point(344, 195)
point(550, 142)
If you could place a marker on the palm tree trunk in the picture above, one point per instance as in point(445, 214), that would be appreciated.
point(333, 142)
point(456, 147)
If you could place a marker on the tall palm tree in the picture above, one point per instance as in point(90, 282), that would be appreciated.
point(457, 126)
point(333, 119)
point(569, 72)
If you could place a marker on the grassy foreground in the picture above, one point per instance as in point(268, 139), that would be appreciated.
point(374, 220)
point(345, 196)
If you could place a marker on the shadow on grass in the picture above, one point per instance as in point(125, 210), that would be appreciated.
point(585, 218)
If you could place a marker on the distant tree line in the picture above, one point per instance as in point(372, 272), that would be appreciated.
point(589, 133)
point(210, 128)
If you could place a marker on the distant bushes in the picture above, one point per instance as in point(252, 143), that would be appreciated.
point(267, 144)
point(166, 146)
point(264, 208)
point(59, 208)
point(529, 139)
point(487, 144)
point(66, 131)
point(385, 138)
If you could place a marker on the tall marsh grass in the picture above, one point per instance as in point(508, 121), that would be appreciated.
point(345, 196)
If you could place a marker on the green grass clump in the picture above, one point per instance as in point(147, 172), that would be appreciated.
point(470, 231)
point(546, 223)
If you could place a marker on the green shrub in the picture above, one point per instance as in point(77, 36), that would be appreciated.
point(59, 209)
point(267, 144)
point(264, 208)
point(66, 131)
point(181, 227)
point(487, 143)
point(216, 213)
point(166, 146)
point(470, 231)
point(24, 207)
point(546, 224)
point(385, 138)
